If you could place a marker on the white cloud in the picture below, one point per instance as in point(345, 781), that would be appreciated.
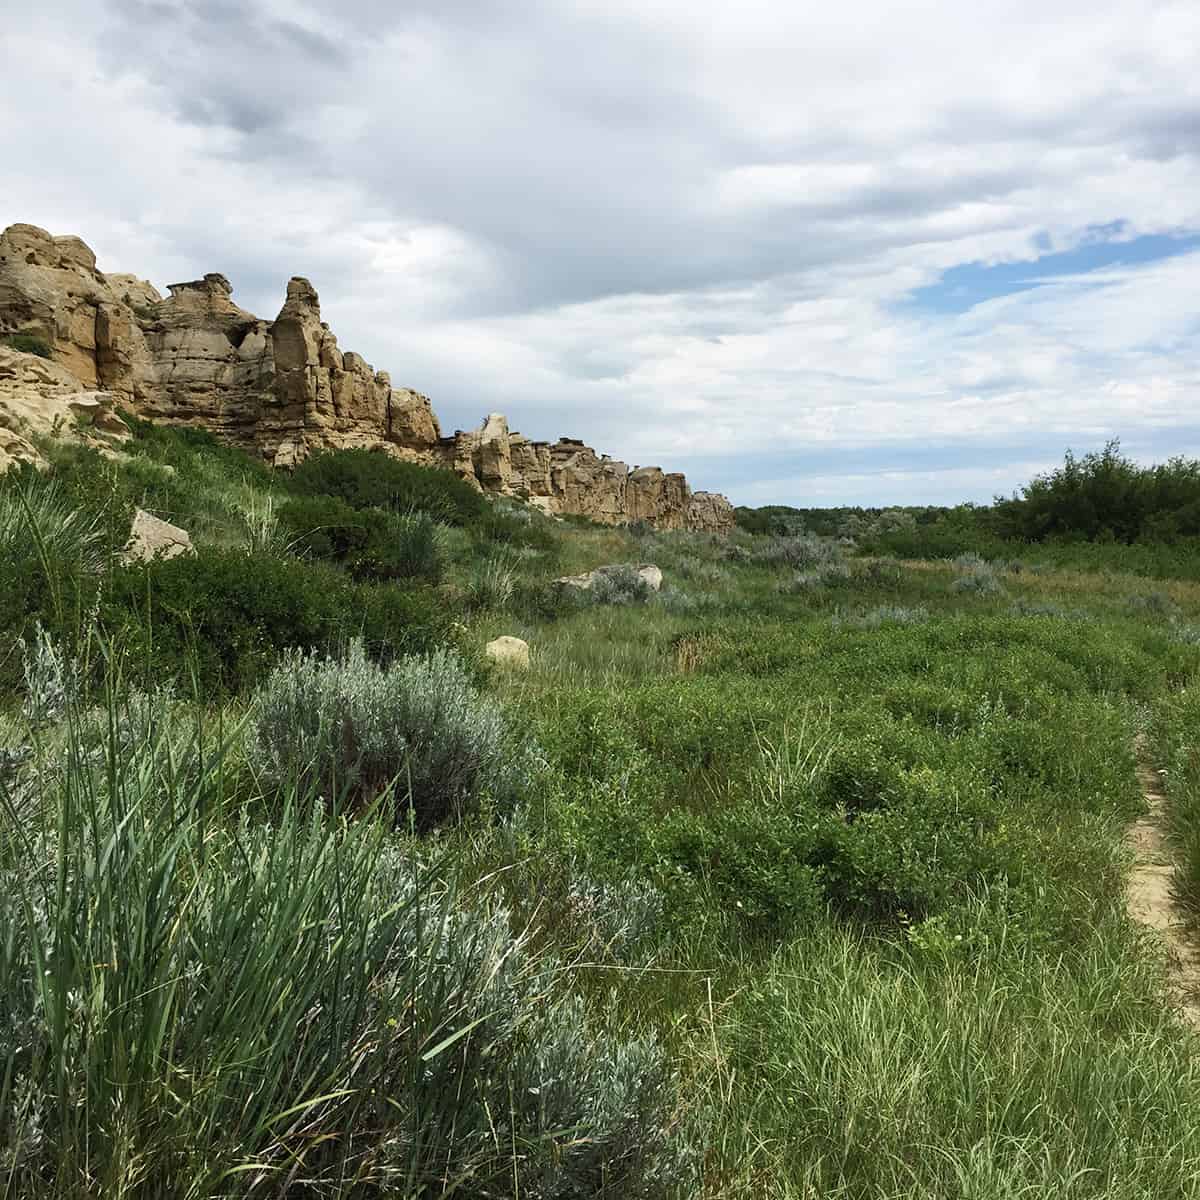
point(677, 233)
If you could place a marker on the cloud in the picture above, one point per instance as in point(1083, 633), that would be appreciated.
point(688, 240)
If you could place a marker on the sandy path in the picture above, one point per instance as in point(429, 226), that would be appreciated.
point(1149, 899)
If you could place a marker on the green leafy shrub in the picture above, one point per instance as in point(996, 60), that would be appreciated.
point(370, 479)
point(27, 343)
point(355, 729)
point(228, 615)
point(761, 865)
point(370, 543)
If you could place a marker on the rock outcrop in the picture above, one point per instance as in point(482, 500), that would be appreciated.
point(151, 537)
point(646, 574)
point(284, 388)
point(570, 477)
point(40, 399)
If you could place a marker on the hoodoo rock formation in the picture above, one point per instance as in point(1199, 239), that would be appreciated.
point(284, 388)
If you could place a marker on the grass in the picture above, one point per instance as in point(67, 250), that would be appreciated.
point(27, 343)
point(799, 890)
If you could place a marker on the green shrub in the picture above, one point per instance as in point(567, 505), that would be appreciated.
point(371, 479)
point(227, 616)
point(761, 865)
point(356, 730)
point(27, 343)
point(751, 520)
point(370, 543)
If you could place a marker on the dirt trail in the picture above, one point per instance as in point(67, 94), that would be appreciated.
point(1149, 898)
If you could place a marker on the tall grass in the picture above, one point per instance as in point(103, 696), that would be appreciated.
point(45, 535)
point(851, 1069)
point(1175, 719)
point(194, 1003)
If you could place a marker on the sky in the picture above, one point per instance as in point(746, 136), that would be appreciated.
point(876, 252)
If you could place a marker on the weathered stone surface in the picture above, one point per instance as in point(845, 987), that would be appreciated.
point(151, 537)
point(285, 388)
point(50, 288)
point(40, 399)
point(569, 477)
point(509, 652)
point(648, 573)
point(710, 512)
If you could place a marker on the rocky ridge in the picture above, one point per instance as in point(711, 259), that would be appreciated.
point(284, 388)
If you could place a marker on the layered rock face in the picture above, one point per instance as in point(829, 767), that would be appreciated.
point(569, 477)
point(40, 399)
point(284, 388)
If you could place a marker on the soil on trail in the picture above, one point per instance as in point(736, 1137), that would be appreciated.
point(1149, 897)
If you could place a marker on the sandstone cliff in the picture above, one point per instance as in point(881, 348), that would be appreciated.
point(284, 388)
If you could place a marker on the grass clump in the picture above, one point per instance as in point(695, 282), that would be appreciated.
point(417, 731)
point(491, 580)
point(51, 556)
point(27, 343)
point(1174, 721)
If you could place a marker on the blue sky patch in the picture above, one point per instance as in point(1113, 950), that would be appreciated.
point(963, 287)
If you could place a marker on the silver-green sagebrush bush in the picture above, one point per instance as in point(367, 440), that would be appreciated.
point(884, 614)
point(354, 730)
point(802, 552)
point(979, 578)
point(621, 584)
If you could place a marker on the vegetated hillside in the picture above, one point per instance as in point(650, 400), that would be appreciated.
point(803, 876)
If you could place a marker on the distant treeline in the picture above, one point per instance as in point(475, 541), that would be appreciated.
point(1102, 499)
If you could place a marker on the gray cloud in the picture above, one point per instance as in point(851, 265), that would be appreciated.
point(686, 239)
